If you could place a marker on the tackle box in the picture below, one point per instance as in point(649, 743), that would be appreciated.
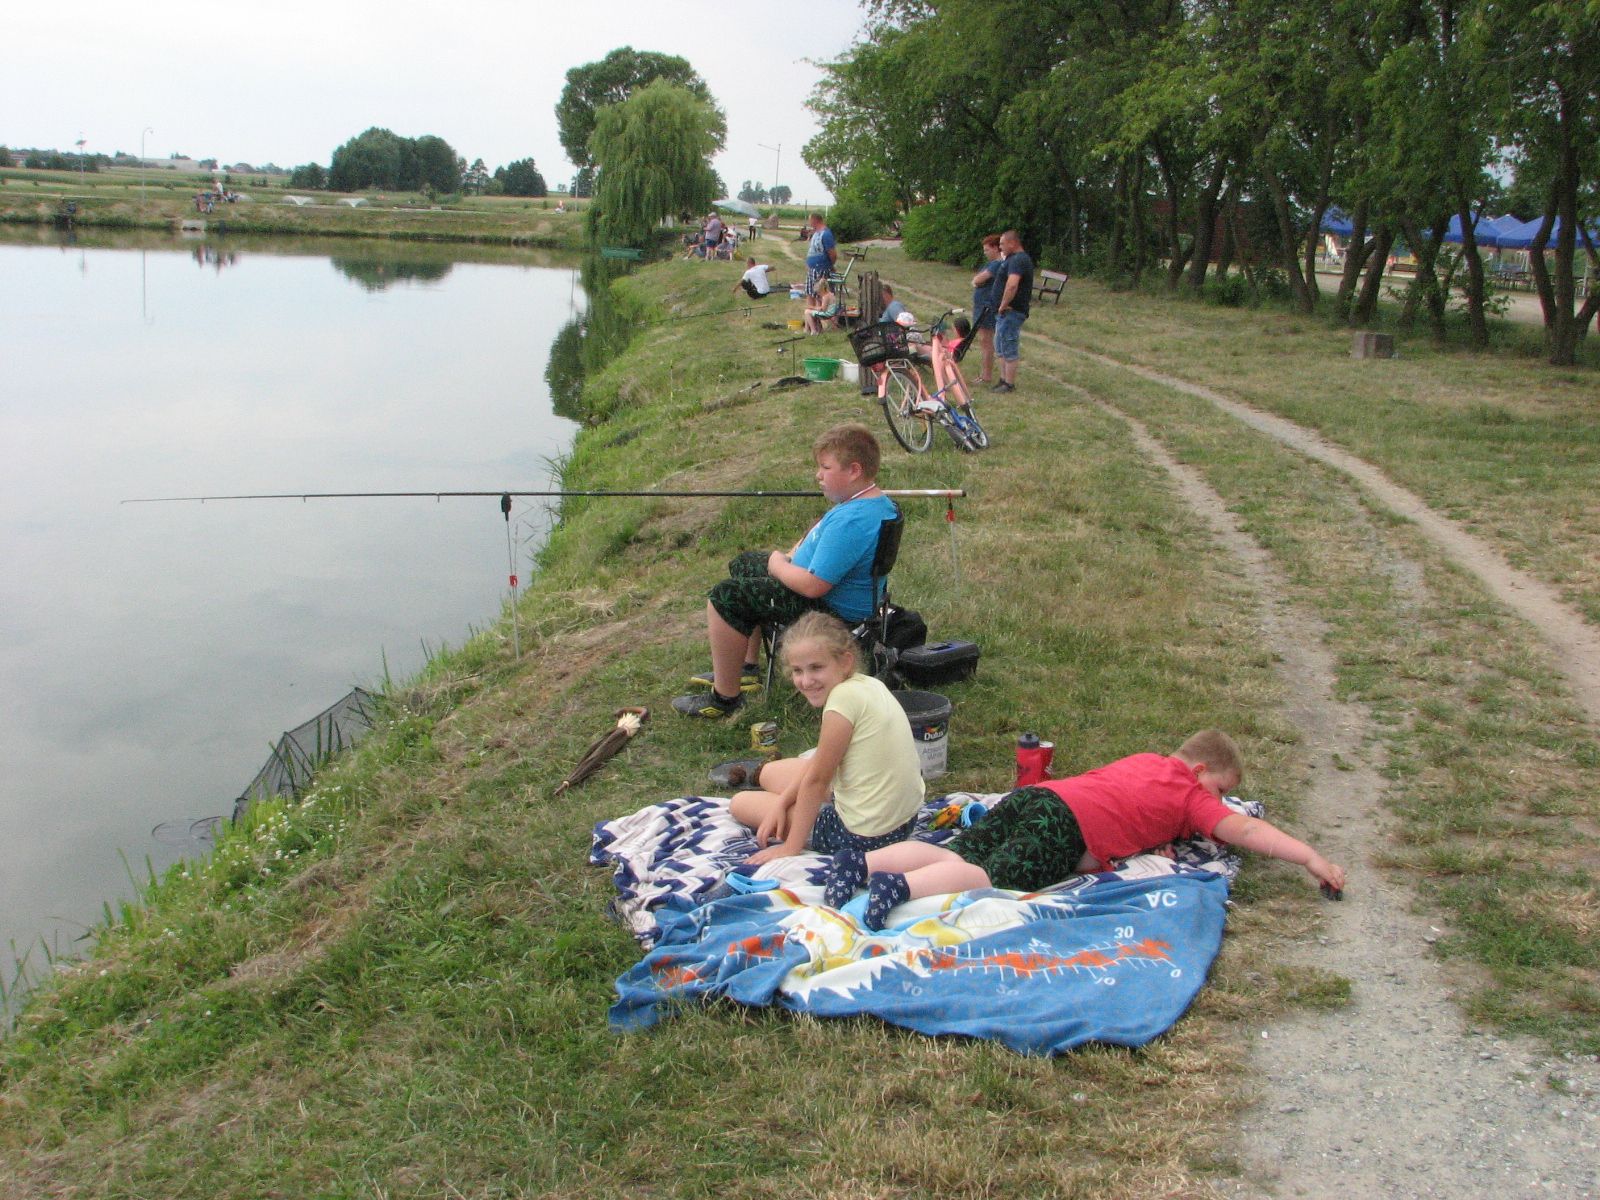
point(939, 662)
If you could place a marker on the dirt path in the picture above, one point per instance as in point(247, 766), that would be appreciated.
point(1575, 643)
point(1390, 1096)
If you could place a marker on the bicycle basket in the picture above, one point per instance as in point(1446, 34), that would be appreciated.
point(874, 344)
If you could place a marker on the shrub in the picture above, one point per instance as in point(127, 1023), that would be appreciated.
point(1230, 291)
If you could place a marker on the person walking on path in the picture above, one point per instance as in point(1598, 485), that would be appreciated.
point(1012, 310)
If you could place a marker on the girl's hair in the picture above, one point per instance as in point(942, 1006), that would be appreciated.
point(992, 239)
point(821, 627)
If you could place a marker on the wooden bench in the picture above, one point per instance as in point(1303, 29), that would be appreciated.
point(1049, 283)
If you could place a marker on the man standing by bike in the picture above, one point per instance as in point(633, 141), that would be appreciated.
point(1013, 308)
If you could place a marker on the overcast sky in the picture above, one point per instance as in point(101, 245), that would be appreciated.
point(289, 81)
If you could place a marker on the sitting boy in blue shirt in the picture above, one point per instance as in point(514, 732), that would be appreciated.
point(829, 568)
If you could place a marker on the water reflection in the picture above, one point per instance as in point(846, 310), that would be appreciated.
point(378, 275)
point(153, 651)
point(589, 341)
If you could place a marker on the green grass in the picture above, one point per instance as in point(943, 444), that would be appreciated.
point(399, 987)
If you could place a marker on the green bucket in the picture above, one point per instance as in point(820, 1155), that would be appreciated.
point(821, 369)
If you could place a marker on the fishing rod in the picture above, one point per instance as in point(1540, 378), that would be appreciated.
point(948, 495)
point(502, 494)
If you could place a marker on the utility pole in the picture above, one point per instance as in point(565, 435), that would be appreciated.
point(777, 157)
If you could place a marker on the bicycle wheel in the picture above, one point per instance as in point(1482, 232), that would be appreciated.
point(899, 399)
point(961, 396)
point(956, 426)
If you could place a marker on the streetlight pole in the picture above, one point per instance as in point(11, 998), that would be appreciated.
point(142, 132)
point(777, 157)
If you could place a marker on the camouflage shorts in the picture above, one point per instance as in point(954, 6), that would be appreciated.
point(750, 598)
point(1027, 842)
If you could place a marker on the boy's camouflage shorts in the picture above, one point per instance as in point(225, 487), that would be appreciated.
point(749, 597)
point(1027, 842)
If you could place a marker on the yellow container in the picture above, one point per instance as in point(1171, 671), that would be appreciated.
point(796, 323)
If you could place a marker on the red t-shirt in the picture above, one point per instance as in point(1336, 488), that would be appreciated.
point(1138, 803)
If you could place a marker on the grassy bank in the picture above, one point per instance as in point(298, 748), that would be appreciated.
point(121, 200)
point(398, 987)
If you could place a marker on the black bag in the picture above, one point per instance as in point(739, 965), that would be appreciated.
point(879, 658)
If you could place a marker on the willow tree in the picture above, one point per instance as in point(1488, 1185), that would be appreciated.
point(653, 152)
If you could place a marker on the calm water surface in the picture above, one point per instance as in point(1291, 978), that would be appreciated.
point(150, 653)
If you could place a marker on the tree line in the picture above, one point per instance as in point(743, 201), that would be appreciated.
point(1168, 139)
point(380, 158)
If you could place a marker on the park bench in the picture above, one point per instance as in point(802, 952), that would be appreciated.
point(1049, 283)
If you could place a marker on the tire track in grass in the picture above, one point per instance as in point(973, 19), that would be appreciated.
point(1387, 1096)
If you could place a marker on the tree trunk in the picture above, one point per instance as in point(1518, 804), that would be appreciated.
point(1288, 239)
point(1477, 327)
point(1425, 289)
point(1355, 253)
point(1205, 225)
point(1136, 214)
point(1171, 227)
point(1119, 213)
point(1372, 286)
point(1562, 328)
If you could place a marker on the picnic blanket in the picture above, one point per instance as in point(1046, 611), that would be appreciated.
point(1115, 957)
point(1105, 959)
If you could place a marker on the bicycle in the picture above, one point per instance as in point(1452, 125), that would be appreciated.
point(908, 406)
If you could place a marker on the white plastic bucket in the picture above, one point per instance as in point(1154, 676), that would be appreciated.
point(929, 714)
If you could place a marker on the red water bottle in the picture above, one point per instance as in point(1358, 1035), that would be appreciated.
point(1033, 760)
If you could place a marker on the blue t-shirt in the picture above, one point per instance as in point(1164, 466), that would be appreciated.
point(840, 548)
point(893, 310)
point(987, 295)
point(817, 253)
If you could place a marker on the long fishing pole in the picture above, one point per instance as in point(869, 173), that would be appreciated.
point(501, 493)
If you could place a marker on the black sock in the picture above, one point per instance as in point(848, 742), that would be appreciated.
point(885, 889)
point(722, 701)
point(849, 872)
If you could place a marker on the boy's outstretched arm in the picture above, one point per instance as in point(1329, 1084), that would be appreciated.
point(1263, 837)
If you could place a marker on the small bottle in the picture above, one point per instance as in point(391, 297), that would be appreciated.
point(1030, 763)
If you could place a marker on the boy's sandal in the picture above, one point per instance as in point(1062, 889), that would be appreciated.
point(738, 775)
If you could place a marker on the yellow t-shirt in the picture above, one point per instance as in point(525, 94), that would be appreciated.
point(879, 784)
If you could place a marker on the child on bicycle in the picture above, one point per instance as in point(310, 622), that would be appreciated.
point(1038, 836)
point(862, 787)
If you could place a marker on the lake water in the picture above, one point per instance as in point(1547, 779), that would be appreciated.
point(150, 653)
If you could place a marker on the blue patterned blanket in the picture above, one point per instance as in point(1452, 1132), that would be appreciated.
point(1115, 957)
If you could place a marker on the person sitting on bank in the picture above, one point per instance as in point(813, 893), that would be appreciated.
point(830, 568)
point(826, 311)
point(892, 308)
point(754, 281)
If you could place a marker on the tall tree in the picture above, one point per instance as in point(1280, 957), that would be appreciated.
point(521, 178)
point(594, 86)
point(1552, 54)
point(653, 153)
